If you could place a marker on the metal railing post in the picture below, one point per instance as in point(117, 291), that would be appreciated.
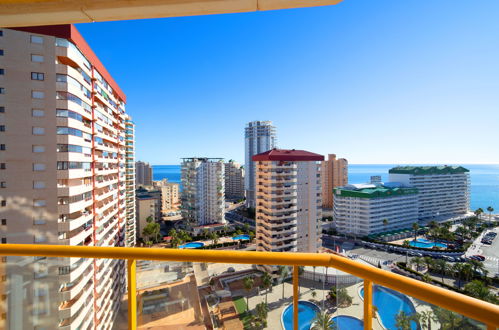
point(295, 296)
point(132, 294)
point(368, 305)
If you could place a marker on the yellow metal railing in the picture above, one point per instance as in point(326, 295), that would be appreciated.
point(473, 308)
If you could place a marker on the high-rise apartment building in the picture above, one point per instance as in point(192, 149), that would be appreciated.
point(234, 181)
point(63, 178)
point(361, 209)
point(444, 191)
point(260, 136)
point(143, 174)
point(170, 195)
point(130, 180)
point(203, 191)
point(334, 173)
point(288, 201)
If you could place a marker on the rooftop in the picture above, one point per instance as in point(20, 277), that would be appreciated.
point(291, 155)
point(422, 170)
point(374, 191)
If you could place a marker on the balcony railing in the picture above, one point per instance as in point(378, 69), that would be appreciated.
point(473, 308)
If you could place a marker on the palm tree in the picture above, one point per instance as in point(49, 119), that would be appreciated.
point(457, 270)
point(323, 321)
point(206, 233)
point(343, 298)
point(479, 290)
point(415, 227)
point(490, 209)
point(476, 265)
point(314, 294)
point(385, 223)
point(403, 321)
point(426, 317)
point(467, 271)
point(426, 278)
point(248, 283)
point(261, 312)
point(478, 212)
point(428, 262)
point(418, 261)
point(266, 283)
point(442, 267)
point(283, 274)
point(214, 237)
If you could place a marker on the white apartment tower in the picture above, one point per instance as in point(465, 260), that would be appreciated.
point(444, 191)
point(130, 181)
point(63, 179)
point(234, 181)
point(361, 209)
point(203, 191)
point(288, 201)
point(260, 136)
point(143, 174)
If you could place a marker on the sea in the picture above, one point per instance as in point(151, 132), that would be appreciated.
point(484, 179)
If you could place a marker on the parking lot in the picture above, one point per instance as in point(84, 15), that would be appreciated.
point(491, 254)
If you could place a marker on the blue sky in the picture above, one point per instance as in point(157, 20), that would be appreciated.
point(383, 81)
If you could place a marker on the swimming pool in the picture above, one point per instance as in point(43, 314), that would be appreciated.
point(306, 313)
point(191, 245)
point(241, 237)
point(344, 322)
point(389, 304)
point(424, 243)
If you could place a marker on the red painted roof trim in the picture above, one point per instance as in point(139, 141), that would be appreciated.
point(288, 155)
point(69, 31)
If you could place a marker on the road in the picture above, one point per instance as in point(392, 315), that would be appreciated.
point(490, 252)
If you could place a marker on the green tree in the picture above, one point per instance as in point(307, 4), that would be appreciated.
point(418, 261)
point(490, 209)
point(478, 212)
point(246, 228)
point(266, 283)
point(403, 321)
point(248, 283)
point(151, 232)
point(214, 237)
point(206, 233)
point(457, 269)
point(283, 274)
point(415, 227)
point(476, 265)
point(323, 321)
point(478, 289)
point(385, 223)
point(406, 244)
point(428, 261)
point(314, 294)
point(343, 298)
point(442, 267)
point(261, 313)
point(425, 319)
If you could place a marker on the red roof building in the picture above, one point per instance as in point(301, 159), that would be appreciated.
point(290, 155)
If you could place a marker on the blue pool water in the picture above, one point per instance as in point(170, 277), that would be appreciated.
point(344, 322)
point(424, 243)
point(241, 237)
point(191, 245)
point(306, 313)
point(389, 304)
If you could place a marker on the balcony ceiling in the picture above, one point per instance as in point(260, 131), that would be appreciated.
point(15, 13)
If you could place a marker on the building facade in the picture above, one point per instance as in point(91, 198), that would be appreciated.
point(130, 181)
point(334, 173)
point(361, 209)
point(148, 206)
point(170, 195)
point(288, 201)
point(63, 178)
point(143, 174)
point(444, 191)
point(234, 181)
point(203, 191)
point(260, 136)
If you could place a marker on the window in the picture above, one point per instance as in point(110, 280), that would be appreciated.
point(2, 71)
point(3, 203)
point(38, 184)
point(38, 113)
point(2, 146)
point(39, 202)
point(38, 167)
point(2, 109)
point(4, 222)
point(36, 58)
point(68, 114)
point(1, 52)
point(39, 221)
point(37, 94)
point(2, 128)
point(3, 184)
point(38, 148)
point(2, 90)
point(2, 166)
point(40, 239)
point(38, 131)
point(36, 40)
point(63, 130)
point(37, 76)
point(4, 240)
point(1, 33)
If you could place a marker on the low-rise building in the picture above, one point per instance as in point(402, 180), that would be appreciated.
point(363, 209)
point(148, 207)
point(170, 195)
